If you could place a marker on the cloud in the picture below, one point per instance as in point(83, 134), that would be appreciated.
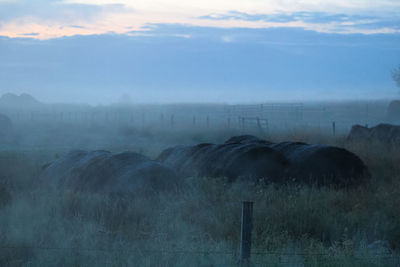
point(269, 36)
point(324, 21)
point(77, 26)
point(30, 34)
point(54, 10)
point(56, 18)
point(46, 16)
point(257, 64)
point(227, 38)
point(378, 24)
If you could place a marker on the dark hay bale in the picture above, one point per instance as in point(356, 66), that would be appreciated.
point(322, 165)
point(393, 111)
point(102, 171)
point(251, 159)
point(383, 133)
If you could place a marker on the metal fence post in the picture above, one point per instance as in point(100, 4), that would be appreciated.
point(245, 233)
point(172, 121)
point(258, 123)
point(162, 118)
point(334, 128)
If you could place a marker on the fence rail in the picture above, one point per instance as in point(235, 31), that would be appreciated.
point(268, 117)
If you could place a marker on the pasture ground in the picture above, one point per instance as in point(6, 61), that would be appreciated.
point(197, 225)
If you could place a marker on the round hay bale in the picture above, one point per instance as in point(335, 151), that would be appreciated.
point(102, 171)
point(393, 112)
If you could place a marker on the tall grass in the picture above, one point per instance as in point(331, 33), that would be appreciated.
point(198, 225)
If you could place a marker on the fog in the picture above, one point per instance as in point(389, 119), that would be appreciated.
point(256, 66)
point(202, 215)
point(134, 133)
point(117, 126)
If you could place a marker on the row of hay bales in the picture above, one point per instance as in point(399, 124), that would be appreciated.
point(102, 171)
point(239, 158)
point(384, 133)
point(251, 159)
point(244, 158)
point(393, 111)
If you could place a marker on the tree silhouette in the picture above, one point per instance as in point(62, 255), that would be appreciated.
point(396, 75)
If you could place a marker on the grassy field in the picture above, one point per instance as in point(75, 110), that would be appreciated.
point(197, 225)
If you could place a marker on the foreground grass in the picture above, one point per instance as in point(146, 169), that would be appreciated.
point(198, 224)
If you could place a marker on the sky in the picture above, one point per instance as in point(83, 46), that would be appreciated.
point(199, 51)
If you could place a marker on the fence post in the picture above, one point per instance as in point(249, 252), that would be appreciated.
point(334, 128)
point(172, 121)
point(229, 122)
point(162, 118)
point(258, 123)
point(267, 126)
point(208, 121)
point(245, 233)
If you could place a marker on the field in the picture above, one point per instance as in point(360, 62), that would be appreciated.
point(198, 224)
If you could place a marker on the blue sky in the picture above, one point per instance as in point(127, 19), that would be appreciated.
point(199, 51)
point(57, 18)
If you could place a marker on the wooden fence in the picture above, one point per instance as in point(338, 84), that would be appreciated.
point(263, 117)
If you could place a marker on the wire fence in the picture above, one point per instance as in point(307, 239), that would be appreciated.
point(266, 117)
point(230, 257)
point(263, 117)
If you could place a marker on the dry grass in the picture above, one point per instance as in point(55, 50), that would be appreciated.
point(199, 224)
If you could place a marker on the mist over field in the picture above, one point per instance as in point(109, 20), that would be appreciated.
point(136, 133)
